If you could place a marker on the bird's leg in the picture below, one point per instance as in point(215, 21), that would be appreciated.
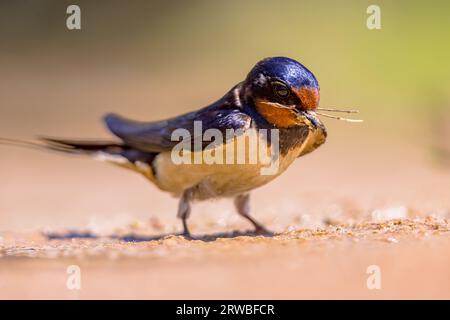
point(242, 203)
point(184, 209)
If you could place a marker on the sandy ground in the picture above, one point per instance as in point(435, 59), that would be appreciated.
point(331, 224)
point(324, 263)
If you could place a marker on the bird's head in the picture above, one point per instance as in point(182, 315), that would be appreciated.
point(283, 91)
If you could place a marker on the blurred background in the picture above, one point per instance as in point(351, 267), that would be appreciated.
point(154, 59)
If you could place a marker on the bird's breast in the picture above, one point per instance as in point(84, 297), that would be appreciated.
point(238, 166)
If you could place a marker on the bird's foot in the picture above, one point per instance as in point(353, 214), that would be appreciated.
point(262, 231)
point(186, 234)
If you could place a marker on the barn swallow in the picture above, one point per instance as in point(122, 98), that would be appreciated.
point(278, 93)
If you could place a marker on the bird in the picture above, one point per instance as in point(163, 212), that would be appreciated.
point(279, 94)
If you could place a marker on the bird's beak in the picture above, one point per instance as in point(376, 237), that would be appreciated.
point(310, 115)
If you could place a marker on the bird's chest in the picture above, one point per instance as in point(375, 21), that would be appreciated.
point(242, 164)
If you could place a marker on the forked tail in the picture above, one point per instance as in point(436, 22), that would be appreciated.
point(114, 152)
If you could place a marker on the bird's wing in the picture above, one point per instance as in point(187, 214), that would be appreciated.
point(157, 136)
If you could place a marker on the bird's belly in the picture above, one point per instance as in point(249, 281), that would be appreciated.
point(232, 181)
point(220, 179)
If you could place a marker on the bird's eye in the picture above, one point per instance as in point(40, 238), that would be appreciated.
point(280, 89)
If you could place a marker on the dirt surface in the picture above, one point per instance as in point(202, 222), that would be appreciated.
point(308, 263)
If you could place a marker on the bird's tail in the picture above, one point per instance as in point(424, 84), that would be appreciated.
point(67, 146)
point(114, 152)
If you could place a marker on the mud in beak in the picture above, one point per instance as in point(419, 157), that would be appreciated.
point(310, 115)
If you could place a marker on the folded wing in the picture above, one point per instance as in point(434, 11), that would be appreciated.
point(157, 136)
